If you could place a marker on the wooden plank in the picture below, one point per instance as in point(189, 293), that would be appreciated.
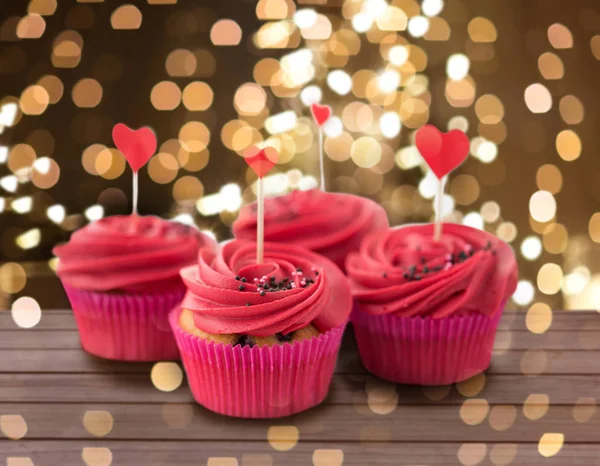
point(345, 389)
point(182, 453)
point(512, 320)
point(505, 339)
point(504, 362)
point(322, 424)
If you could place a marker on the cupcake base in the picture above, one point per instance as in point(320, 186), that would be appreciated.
point(258, 382)
point(126, 327)
point(425, 351)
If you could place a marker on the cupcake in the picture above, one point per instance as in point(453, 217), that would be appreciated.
point(121, 275)
point(261, 340)
point(426, 312)
point(330, 224)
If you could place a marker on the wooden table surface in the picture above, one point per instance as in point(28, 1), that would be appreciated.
point(60, 406)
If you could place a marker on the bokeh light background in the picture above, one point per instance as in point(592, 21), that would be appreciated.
point(212, 78)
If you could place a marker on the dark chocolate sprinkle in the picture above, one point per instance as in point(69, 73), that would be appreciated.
point(245, 340)
point(237, 277)
point(247, 304)
point(263, 292)
point(244, 280)
point(283, 338)
point(384, 275)
point(241, 287)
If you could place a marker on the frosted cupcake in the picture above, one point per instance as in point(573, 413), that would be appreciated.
point(261, 341)
point(330, 224)
point(426, 312)
point(121, 275)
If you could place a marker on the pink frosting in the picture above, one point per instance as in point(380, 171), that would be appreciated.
point(220, 306)
point(404, 272)
point(328, 223)
point(129, 253)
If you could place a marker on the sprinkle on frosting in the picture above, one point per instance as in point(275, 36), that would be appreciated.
point(282, 297)
point(468, 270)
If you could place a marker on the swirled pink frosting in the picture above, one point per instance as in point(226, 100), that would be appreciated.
point(222, 304)
point(129, 253)
point(328, 223)
point(404, 272)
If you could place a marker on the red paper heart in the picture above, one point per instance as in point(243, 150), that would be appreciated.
point(321, 113)
point(137, 146)
point(443, 152)
point(261, 161)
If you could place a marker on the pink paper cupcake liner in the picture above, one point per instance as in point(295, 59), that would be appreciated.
point(267, 382)
point(126, 327)
point(425, 351)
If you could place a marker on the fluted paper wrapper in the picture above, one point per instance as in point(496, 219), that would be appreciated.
point(126, 327)
point(425, 351)
point(267, 382)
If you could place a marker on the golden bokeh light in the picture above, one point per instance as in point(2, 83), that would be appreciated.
point(551, 66)
point(42, 7)
point(166, 376)
point(13, 426)
point(536, 406)
point(126, 17)
point(226, 32)
point(197, 96)
point(568, 145)
point(539, 318)
point(473, 386)
point(34, 100)
point(98, 423)
point(87, 93)
point(194, 136)
point(97, 456)
point(571, 110)
point(165, 96)
point(502, 417)
point(181, 63)
point(550, 444)
point(31, 26)
point(560, 37)
point(482, 30)
point(178, 415)
point(584, 409)
point(470, 454)
point(283, 438)
point(26, 312)
point(474, 411)
point(549, 178)
point(503, 454)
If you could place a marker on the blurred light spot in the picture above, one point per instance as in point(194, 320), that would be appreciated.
point(87, 93)
point(388, 81)
point(398, 55)
point(31, 26)
point(226, 32)
point(458, 122)
point(465, 190)
point(571, 110)
point(551, 66)
point(502, 417)
point(222, 461)
point(42, 7)
point(560, 37)
point(531, 248)
point(473, 386)
point(283, 438)
point(418, 26)
point(180, 63)
point(549, 178)
point(556, 238)
point(250, 99)
point(470, 454)
point(584, 409)
point(524, 293)
point(333, 128)
point(94, 213)
point(489, 109)
point(26, 312)
point(13, 426)
point(576, 281)
point(457, 66)
point(98, 423)
point(595, 46)
point(549, 278)
point(53, 86)
point(503, 454)
point(187, 188)
point(12, 277)
point(432, 7)
point(538, 98)
point(482, 30)
point(22, 205)
point(305, 18)
point(281, 122)
point(490, 211)
point(34, 100)
point(382, 397)
point(390, 124)
point(126, 17)
point(550, 444)
point(507, 231)
point(56, 213)
point(473, 220)
point(311, 95)
point(362, 22)
point(9, 183)
point(366, 152)
point(536, 406)
point(96, 456)
point(327, 458)
point(474, 411)
point(165, 96)
point(568, 145)
point(197, 96)
point(194, 136)
point(594, 227)
point(539, 318)
point(339, 82)
point(542, 206)
point(18, 461)
point(320, 30)
point(166, 376)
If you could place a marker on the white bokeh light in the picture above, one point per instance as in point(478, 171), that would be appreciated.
point(311, 95)
point(390, 125)
point(542, 206)
point(305, 18)
point(432, 7)
point(388, 81)
point(457, 66)
point(362, 22)
point(339, 82)
point(333, 127)
point(418, 26)
point(398, 55)
point(473, 220)
point(531, 248)
point(524, 293)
